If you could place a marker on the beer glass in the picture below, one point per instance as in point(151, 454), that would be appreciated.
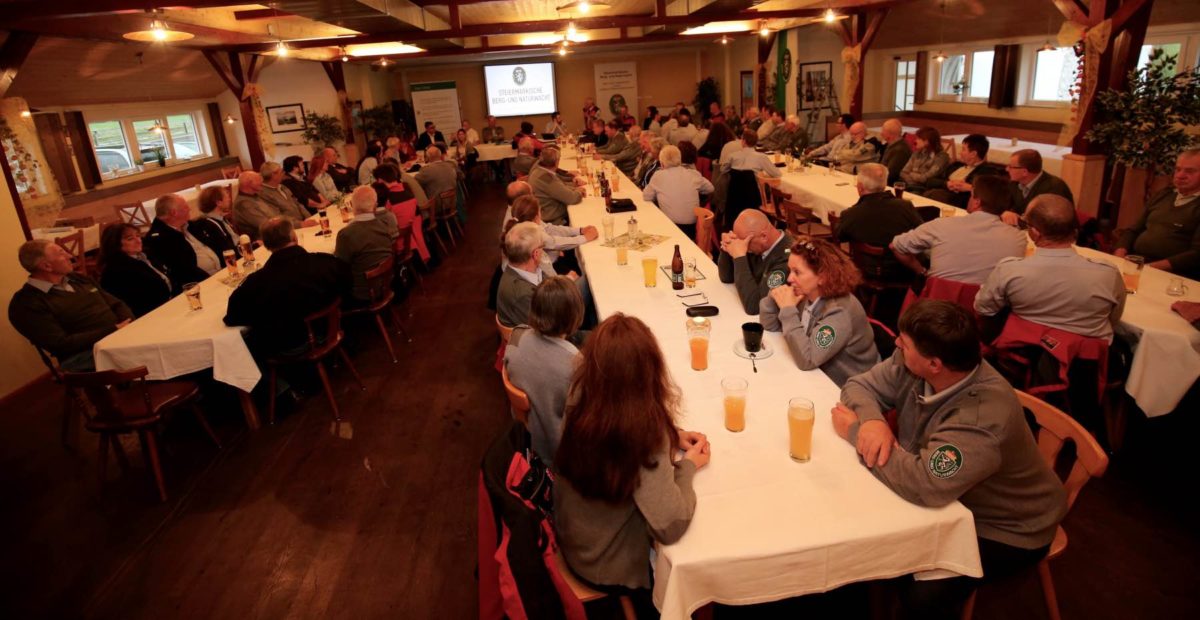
point(607, 223)
point(898, 188)
point(735, 389)
point(800, 425)
point(191, 290)
point(650, 272)
point(230, 261)
point(699, 329)
point(1131, 272)
point(622, 255)
point(689, 273)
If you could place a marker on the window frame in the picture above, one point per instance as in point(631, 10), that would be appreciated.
point(935, 76)
point(1030, 81)
point(910, 91)
point(126, 120)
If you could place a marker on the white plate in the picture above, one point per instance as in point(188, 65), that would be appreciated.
point(739, 348)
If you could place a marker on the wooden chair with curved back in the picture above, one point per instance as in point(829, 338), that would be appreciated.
point(767, 194)
point(73, 244)
point(950, 149)
point(447, 215)
point(134, 213)
point(315, 352)
point(405, 253)
point(587, 594)
point(231, 172)
point(704, 229)
point(517, 398)
point(504, 330)
point(379, 286)
point(123, 402)
point(875, 282)
point(1057, 428)
point(802, 222)
point(429, 223)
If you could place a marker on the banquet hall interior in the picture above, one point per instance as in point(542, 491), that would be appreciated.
point(600, 308)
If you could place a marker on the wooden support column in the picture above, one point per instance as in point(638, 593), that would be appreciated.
point(861, 30)
point(236, 79)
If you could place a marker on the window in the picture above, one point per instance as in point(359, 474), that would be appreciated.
point(184, 138)
point(122, 144)
point(965, 76)
point(112, 152)
point(906, 84)
point(149, 137)
point(1171, 49)
point(950, 74)
point(980, 84)
point(1053, 74)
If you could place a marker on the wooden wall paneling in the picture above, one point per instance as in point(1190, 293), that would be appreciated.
point(58, 155)
point(81, 144)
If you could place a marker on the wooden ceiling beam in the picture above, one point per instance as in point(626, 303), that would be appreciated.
point(253, 14)
point(1072, 10)
point(17, 10)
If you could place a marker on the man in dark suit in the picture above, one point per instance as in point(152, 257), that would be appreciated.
point(431, 137)
point(212, 227)
point(896, 151)
point(972, 163)
point(293, 283)
point(875, 219)
point(1029, 181)
point(170, 244)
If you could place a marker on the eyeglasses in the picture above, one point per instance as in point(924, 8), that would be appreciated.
point(1012, 167)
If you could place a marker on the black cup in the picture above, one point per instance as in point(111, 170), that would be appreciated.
point(752, 336)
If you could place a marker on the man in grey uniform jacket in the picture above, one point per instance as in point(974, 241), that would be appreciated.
point(551, 191)
point(754, 258)
point(962, 436)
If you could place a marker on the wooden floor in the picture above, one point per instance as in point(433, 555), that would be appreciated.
point(293, 521)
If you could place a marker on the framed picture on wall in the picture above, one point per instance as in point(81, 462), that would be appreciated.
point(816, 82)
point(286, 118)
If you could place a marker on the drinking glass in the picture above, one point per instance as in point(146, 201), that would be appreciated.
point(689, 273)
point(898, 188)
point(1176, 287)
point(735, 389)
point(699, 329)
point(650, 272)
point(607, 223)
point(1131, 272)
point(191, 290)
point(801, 415)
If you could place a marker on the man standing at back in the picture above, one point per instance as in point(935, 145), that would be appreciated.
point(1029, 181)
point(552, 193)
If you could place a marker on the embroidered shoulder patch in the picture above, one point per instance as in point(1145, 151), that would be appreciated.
point(945, 461)
point(825, 336)
point(776, 278)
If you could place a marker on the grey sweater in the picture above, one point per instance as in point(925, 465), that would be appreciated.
point(970, 443)
point(541, 367)
point(609, 544)
point(553, 195)
point(838, 338)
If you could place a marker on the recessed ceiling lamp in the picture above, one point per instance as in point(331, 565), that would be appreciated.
point(584, 6)
point(158, 33)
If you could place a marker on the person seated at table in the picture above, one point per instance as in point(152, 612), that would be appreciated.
point(876, 219)
point(688, 154)
point(650, 118)
point(1167, 234)
point(273, 192)
point(431, 137)
point(649, 163)
point(318, 176)
point(463, 151)
point(619, 488)
point(963, 436)
point(127, 273)
point(896, 151)
point(702, 130)
point(301, 188)
point(555, 239)
point(540, 359)
point(524, 161)
point(667, 124)
point(733, 120)
point(590, 111)
point(822, 321)
point(555, 125)
point(408, 176)
point(527, 132)
point(472, 135)
point(60, 311)
point(928, 162)
point(770, 121)
point(1056, 287)
point(718, 136)
point(343, 177)
point(676, 190)
point(596, 133)
point(857, 151)
point(367, 164)
point(751, 120)
point(291, 285)
point(965, 249)
point(837, 142)
point(955, 188)
point(626, 160)
point(747, 158)
point(249, 212)
point(685, 131)
point(788, 137)
point(523, 247)
point(754, 257)
point(438, 175)
point(391, 149)
point(168, 243)
point(625, 119)
point(616, 139)
point(212, 227)
point(493, 133)
point(365, 242)
point(552, 192)
point(406, 150)
point(397, 198)
point(1029, 181)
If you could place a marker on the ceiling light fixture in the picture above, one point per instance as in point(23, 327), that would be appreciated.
point(724, 40)
point(940, 56)
point(26, 114)
point(282, 49)
point(763, 30)
point(583, 6)
point(830, 16)
point(721, 28)
point(229, 119)
point(571, 30)
point(158, 32)
point(156, 127)
point(393, 48)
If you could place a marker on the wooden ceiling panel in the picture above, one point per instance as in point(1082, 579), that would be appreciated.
point(536, 10)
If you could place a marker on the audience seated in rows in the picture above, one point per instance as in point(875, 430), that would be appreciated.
point(955, 186)
point(555, 239)
point(856, 151)
point(524, 161)
point(649, 164)
point(684, 131)
point(897, 151)
point(128, 273)
point(343, 177)
point(438, 175)
point(367, 164)
point(837, 142)
point(788, 137)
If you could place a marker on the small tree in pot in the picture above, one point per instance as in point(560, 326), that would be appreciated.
point(322, 130)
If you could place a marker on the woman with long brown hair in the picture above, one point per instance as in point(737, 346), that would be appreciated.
point(318, 175)
point(822, 321)
point(928, 160)
point(618, 487)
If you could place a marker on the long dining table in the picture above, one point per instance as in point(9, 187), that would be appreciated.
point(173, 340)
point(765, 527)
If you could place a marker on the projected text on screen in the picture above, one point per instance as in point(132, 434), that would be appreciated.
point(520, 90)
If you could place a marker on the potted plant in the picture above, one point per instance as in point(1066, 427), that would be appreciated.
point(1143, 128)
point(707, 92)
point(379, 122)
point(322, 130)
point(160, 154)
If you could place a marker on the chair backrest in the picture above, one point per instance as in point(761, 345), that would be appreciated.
point(135, 213)
point(379, 283)
point(73, 244)
point(231, 172)
point(1056, 429)
point(448, 203)
point(76, 222)
point(332, 317)
point(97, 387)
point(51, 363)
point(870, 268)
point(833, 224)
point(885, 338)
point(704, 167)
point(504, 330)
point(518, 399)
point(402, 249)
point(704, 229)
point(796, 216)
point(948, 146)
point(764, 193)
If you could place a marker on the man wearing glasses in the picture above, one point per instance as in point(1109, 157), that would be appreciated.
point(1029, 182)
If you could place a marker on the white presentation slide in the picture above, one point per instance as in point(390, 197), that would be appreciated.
point(520, 90)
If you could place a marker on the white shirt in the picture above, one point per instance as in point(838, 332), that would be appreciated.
point(766, 128)
point(729, 149)
point(682, 134)
point(325, 186)
point(472, 137)
point(206, 259)
point(534, 278)
point(677, 191)
point(750, 159)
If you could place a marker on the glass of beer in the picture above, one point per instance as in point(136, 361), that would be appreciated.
point(689, 273)
point(1131, 272)
point(607, 223)
point(230, 261)
point(800, 425)
point(735, 403)
point(191, 290)
point(947, 211)
point(650, 271)
point(622, 255)
point(698, 329)
point(898, 188)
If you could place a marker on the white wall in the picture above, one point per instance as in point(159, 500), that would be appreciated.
point(816, 43)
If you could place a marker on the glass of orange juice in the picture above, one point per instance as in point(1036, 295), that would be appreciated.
point(650, 272)
point(800, 425)
point(1131, 272)
point(735, 403)
point(698, 329)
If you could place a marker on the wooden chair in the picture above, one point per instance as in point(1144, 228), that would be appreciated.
point(704, 230)
point(948, 146)
point(231, 172)
point(869, 260)
point(429, 223)
point(517, 398)
point(447, 216)
point(767, 194)
point(134, 213)
point(71, 396)
point(123, 402)
point(73, 244)
point(315, 353)
point(379, 285)
point(801, 222)
point(504, 330)
point(885, 338)
point(586, 594)
point(406, 257)
point(76, 222)
point(1090, 462)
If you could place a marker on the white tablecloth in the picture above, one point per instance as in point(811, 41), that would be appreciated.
point(172, 340)
point(495, 152)
point(192, 196)
point(765, 528)
point(91, 235)
point(827, 193)
point(1000, 149)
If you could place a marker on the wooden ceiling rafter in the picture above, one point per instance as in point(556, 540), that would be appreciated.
point(16, 10)
point(13, 53)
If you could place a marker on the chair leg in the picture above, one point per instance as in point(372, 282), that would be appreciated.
point(354, 371)
point(119, 451)
point(627, 608)
point(204, 423)
point(1114, 419)
point(102, 468)
point(150, 450)
point(67, 417)
point(969, 608)
point(271, 374)
point(1048, 589)
point(441, 244)
point(337, 415)
point(400, 326)
point(383, 330)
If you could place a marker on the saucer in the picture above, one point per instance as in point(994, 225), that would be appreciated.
point(739, 348)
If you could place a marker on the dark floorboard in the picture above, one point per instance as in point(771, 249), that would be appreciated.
point(293, 521)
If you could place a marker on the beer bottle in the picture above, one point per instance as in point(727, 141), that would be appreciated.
point(677, 270)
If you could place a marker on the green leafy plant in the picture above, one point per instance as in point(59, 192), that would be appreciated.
point(1144, 126)
point(160, 154)
point(322, 130)
point(379, 122)
point(707, 92)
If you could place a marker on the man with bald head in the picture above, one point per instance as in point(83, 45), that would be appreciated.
point(169, 244)
point(249, 212)
point(342, 176)
point(438, 175)
point(896, 150)
point(366, 241)
point(1055, 287)
point(754, 258)
point(857, 151)
point(524, 161)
